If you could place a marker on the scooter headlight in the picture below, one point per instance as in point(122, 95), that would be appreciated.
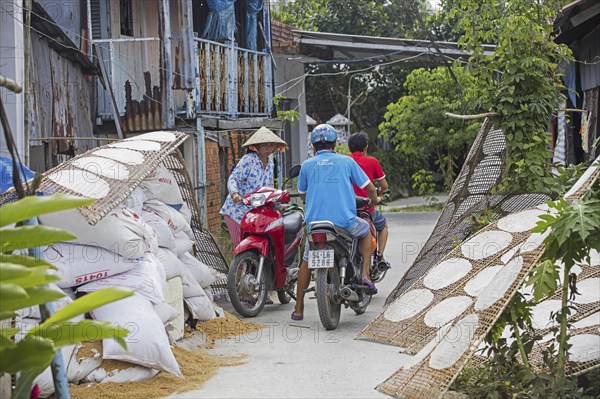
point(257, 199)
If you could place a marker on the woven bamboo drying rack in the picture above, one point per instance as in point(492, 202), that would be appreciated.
point(483, 168)
point(162, 149)
point(430, 379)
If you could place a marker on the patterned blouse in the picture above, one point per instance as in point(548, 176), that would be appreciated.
point(247, 176)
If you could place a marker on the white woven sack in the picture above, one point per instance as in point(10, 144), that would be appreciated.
point(203, 274)
point(134, 373)
point(183, 244)
point(166, 312)
point(186, 212)
point(201, 308)
point(147, 343)
point(172, 265)
point(121, 231)
point(164, 234)
point(136, 200)
point(79, 264)
point(144, 278)
point(160, 184)
point(175, 220)
point(79, 369)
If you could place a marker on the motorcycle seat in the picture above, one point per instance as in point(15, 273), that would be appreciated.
point(292, 222)
point(325, 225)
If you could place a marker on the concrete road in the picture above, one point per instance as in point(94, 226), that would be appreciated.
point(292, 359)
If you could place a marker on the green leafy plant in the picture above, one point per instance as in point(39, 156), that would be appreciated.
point(520, 80)
point(425, 186)
point(290, 116)
point(23, 283)
point(417, 127)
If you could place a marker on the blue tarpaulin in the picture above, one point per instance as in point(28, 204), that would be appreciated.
point(6, 170)
point(254, 7)
point(220, 21)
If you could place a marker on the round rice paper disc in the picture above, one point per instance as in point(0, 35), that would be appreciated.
point(455, 343)
point(533, 241)
point(500, 284)
point(519, 222)
point(162, 135)
point(446, 273)
point(589, 291)
point(103, 167)
point(475, 285)
point(82, 182)
point(584, 348)
point(508, 255)
point(123, 155)
point(541, 314)
point(408, 305)
point(486, 244)
point(447, 310)
point(591, 320)
point(140, 145)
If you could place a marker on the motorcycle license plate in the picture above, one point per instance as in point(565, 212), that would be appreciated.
point(320, 259)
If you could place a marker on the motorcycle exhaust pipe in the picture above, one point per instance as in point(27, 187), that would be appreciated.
point(383, 266)
point(348, 294)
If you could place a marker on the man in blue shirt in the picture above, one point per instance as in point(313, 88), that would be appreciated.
point(325, 183)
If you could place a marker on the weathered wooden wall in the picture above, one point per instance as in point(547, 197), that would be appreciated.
point(60, 101)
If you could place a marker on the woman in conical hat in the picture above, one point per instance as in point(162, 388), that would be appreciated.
point(254, 170)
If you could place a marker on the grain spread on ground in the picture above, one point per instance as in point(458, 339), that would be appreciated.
point(224, 327)
point(197, 366)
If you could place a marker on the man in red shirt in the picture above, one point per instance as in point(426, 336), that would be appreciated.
point(358, 143)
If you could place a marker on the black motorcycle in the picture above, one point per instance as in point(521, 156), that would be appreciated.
point(333, 253)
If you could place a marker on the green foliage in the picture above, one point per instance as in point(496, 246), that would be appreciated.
point(424, 185)
point(544, 280)
point(290, 116)
point(521, 79)
point(342, 149)
point(327, 95)
point(23, 283)
point(418, 128)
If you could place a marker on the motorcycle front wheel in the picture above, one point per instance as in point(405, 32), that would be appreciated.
point(327, 284)
point(248, 292)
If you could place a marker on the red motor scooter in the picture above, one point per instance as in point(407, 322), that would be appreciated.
point(269, 255)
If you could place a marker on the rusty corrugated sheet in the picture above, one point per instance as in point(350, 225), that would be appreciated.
point(145, 114)
point(59, 101)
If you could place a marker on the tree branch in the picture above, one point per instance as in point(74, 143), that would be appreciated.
point(476, 116)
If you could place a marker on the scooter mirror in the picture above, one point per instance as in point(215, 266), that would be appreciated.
point(294, 171)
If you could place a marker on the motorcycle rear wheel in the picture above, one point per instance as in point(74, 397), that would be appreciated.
point(248, 296)
point(327, 284)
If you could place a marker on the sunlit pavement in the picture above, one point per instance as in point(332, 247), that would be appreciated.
point(300, 359)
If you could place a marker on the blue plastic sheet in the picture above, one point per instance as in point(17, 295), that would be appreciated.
point(6, 166)
point(253, 8)
point(220, 21)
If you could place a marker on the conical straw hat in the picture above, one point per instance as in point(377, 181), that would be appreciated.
point(264, 135)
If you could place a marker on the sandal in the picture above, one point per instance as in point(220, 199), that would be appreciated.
point(370, 287)
point(296, 317)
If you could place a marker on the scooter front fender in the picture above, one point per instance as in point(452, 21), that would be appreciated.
point(261, 244)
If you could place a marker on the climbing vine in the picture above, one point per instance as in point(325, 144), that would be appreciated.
point(520, 79)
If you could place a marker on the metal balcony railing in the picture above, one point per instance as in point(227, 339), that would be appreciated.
point(232, 82)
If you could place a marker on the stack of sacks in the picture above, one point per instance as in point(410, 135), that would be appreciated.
point(165, 211)
point(139, 245)
point(121, 231)
point(76, 369)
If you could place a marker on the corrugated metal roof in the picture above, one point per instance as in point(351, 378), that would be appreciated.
point(335, 46)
